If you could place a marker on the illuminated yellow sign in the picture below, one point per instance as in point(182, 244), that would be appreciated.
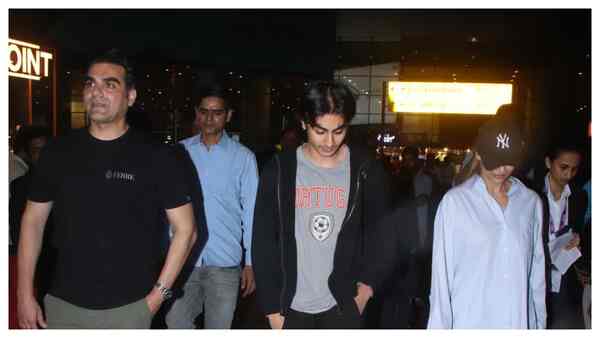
point(25, 60)
point(448, 97)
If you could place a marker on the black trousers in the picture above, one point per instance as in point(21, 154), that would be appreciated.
point(333, 318)
point(564, 308)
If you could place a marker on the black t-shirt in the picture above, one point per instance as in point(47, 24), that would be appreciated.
point(109, 200)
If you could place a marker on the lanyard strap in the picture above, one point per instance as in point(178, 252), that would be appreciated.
point(563, 219)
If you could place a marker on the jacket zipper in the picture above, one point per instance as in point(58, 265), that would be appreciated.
point(361, 173)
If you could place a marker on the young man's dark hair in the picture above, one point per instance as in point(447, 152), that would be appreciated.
point(116, 57)
point(328, 97)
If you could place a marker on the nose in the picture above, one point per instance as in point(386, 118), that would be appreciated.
point(97, 91)
point(329, 141)
point(210, 116)
point(568, 174)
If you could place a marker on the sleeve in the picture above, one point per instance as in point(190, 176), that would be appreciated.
point(170, 174)
point(16, 206)
point(248, 188)
point(195, 186)
point(266, 253)
point(537, 275)
point(44, 180)
point(440, 313)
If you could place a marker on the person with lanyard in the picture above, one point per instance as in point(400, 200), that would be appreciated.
point(564, 211)
point(488, 257)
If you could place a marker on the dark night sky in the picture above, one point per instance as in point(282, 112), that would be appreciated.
point(296, 40)
point(286, 41)
point(306, 41)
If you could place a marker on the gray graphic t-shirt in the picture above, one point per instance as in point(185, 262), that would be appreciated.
point(321, 204)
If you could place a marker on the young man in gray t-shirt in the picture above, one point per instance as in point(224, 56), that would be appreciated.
point(317, 244)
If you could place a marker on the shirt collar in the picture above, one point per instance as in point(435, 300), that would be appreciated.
point(223, 141)
point(477, 182)
point(565, 193)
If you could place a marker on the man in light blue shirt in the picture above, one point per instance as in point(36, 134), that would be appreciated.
point(229, 177)
point(488, 268)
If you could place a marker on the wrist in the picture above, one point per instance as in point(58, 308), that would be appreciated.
point(25, 292)
point(162, 291)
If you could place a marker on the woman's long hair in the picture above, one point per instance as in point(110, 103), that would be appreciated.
point(471, 168)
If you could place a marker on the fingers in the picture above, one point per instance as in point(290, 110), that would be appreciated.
point(243, 282)
point(244, 285)
point(251, 287)
point(573, 243)
point(28, 315)
point(40, 319)
point(358, 305)
point(248, 284)
point(276, 321)
point(28, 323)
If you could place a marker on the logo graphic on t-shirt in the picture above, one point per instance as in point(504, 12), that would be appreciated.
point(321, 226)
point(308, 197)
point(119, 175)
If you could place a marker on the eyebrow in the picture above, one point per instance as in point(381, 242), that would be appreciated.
point(106, 80)
point(316, 125)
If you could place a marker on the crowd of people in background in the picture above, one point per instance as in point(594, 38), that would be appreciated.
point(109, 229)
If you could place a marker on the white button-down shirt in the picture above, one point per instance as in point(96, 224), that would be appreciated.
point(559, 217)
point(488, 262)
point(559, 212)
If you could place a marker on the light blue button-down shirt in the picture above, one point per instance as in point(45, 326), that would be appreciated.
point(229, 177)
point(488, 262)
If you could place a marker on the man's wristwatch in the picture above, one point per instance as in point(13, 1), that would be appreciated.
point(165, 292)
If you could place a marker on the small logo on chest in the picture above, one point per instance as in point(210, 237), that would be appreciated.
point(321, 226)
point(119, 175)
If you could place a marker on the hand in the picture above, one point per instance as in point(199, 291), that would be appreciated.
point(363, 294)
point(573, 243)
point(154, 300)
point(248, 285)
point(276, 321)
point(30, 314)
point(582, 276)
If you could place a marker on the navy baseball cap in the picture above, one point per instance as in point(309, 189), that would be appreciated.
point(499, 142)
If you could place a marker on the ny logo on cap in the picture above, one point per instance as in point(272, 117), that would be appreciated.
point(502, 141)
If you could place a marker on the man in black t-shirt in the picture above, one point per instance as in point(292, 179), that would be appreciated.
point(109, 189)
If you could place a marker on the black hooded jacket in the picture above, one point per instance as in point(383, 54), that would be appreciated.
point(364, 252)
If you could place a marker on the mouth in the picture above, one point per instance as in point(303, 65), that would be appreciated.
point(328, 150)
point(98, 106)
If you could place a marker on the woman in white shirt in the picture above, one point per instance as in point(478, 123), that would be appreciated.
point(564, 210)
point(488, 258)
